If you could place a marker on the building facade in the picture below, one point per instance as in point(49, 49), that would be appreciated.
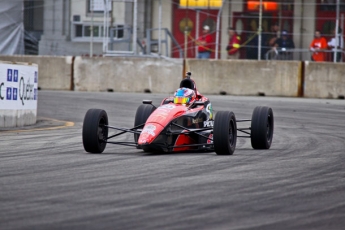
point(67, 24)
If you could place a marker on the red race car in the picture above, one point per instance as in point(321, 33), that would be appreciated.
point(184, 122)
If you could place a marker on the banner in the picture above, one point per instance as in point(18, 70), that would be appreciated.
point(18, 86)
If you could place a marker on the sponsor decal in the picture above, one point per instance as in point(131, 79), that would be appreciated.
point(26, 91)
point(1, 85)
point(15, 94)
point(210, 141)
point(9, 74)
point(167, 106)
point(161, 116)
point(149, 129)
point(36, 77)
point(208, 123)
point(9, 93)
point(143, 141)
point(15, 75)
point(197, 120)
point(209, 111)
point(17, 87)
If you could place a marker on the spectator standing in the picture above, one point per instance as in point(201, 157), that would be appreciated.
point(252, 46)
point(340, 47)
point(234, 44)
point(269, 40)
point(273, 35)
point(283, 44)
point(317, 46)
point(204, 43)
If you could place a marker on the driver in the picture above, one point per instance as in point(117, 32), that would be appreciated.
point(184, 96)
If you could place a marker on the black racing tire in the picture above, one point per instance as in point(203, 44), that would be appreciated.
point(141, 116)
point(95, 133)
point(262, 127)
point(224, 133)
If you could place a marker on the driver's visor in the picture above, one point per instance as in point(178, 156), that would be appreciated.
point(181, 100)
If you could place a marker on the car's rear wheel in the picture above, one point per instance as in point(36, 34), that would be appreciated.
point(141, 116)
point(262, 127)
point(95, 130)
point(224, 133)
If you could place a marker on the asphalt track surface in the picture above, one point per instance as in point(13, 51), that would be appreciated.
point(48, 181)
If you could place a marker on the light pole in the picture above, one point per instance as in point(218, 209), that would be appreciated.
point(337, 41)
point(91, 29)
point(260, 29)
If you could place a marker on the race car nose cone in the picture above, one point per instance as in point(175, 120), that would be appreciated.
point(149, 133)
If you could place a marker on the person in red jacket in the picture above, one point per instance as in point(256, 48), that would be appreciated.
point(204, 43)
point(317, 46)
point(234, 44)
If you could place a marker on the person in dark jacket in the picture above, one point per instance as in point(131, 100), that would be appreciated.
point(283, 45)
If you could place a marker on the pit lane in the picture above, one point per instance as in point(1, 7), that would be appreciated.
point(49, 182)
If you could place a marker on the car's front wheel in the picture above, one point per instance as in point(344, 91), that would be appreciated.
point(224, 133)
point(95, 130)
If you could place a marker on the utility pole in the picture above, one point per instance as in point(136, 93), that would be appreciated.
point(337, 41)
point(260, 29)
point(160, 28)
point(91, 29)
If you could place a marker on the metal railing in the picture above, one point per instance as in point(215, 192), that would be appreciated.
point(299, 54)
point(149, 47)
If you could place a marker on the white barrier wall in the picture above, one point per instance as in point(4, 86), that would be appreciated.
point(324, 80)
point(127, 74)
point(18, 94)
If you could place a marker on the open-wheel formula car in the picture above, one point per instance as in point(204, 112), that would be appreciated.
point(184, 122)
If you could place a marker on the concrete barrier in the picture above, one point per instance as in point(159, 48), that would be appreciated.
point(18, 94)
point(55, 72)
point(126, 74)
point(247, 77)
point(324, 80)
point(236, 77)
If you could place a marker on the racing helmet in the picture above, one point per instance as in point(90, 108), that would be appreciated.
point(184, 96)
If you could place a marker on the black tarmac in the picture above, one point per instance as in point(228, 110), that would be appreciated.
point(48, 181)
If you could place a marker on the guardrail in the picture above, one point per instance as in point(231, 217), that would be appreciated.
point(295, 54)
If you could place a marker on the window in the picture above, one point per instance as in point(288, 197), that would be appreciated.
point(87, 31)
point(119, 31)
point(116, 31)
point(82, 32)
point(78, 31)
point(98, 5)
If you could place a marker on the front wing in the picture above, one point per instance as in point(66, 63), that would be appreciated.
point(173, 138)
